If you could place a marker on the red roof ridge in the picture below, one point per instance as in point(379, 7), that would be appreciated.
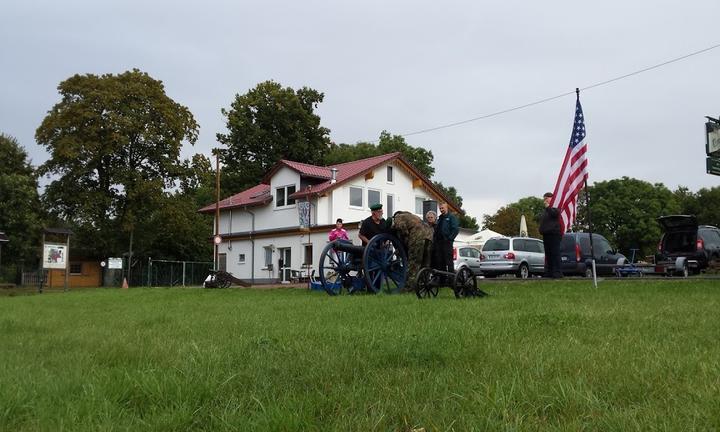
point(386, 155)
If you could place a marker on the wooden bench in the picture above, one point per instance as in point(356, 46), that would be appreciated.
point(7, 286)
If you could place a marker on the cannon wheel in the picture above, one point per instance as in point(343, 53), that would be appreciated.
point(424, 286)
point(336, 271)
point(385, 264)
point(465, 283)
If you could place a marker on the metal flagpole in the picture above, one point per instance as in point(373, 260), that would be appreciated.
point(587, 204)
point(592, 249)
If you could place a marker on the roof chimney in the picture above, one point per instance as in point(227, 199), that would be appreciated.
point(333, 179)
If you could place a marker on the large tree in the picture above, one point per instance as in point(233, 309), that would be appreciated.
point(20, 216)
point(114, 143)
point(625, 211)
point(705, 204)
point(506, 220)
point(266, 124)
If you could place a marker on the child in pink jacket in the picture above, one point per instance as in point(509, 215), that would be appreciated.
point(339, 232)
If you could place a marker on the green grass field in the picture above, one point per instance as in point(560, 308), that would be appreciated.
point(539, 355)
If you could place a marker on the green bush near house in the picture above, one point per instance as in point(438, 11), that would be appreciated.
point(536, 355)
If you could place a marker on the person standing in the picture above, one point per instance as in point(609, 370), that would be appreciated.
point(552, 235)
point(339, 232)
point(445, 232)
point(373, 225)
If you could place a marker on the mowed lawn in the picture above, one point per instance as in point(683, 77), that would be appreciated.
point(537, 355)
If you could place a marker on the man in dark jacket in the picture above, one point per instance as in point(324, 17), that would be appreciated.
point(550, 230)
point(445, 232)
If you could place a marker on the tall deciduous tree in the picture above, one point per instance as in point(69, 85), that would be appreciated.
point(20, 216)
point(507, 219)
point(269, 123)
point(114, 143)
point(625, 211)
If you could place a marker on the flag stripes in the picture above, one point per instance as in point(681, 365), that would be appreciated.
point(573, 173)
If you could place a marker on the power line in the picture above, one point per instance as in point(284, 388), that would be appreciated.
point(541, 101)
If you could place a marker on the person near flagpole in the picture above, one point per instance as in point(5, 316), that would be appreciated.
point(561, 204)
point(552, 235)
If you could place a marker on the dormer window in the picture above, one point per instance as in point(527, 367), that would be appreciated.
point(282, 196)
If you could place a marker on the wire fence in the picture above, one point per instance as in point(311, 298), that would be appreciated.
point(176, 273)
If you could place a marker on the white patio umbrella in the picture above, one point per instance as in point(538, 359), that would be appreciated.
point(523, 227)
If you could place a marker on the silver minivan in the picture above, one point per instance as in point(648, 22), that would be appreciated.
point(522, 256)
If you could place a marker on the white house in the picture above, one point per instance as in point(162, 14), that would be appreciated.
point(261, 236)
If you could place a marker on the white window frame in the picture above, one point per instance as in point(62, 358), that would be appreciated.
point(268, 252)
point(241, 258)
point(422, 199)
point(390, 174)
point(362, 197)
point(379, 192)
point(306, 263)
point(285, 191)
point(390, 204)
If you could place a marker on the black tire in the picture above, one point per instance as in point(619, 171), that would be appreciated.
point(523, 272)
point(588, 272)
point(385, 265)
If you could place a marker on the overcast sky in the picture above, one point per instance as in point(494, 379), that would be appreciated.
point(405, 66)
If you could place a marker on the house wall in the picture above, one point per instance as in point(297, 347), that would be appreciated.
point(401, 188)
point(268, 216)
point(295, 241)
point(90, 276)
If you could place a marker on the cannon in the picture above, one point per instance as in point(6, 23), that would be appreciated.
point(380, 266)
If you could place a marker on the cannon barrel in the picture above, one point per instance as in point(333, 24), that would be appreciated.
point(345, 246)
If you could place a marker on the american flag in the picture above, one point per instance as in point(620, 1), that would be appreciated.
point(573, 172)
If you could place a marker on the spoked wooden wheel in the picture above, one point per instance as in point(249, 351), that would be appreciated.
point(465, 283)
point(385, 264)
point(425, 286)
point(336, 270)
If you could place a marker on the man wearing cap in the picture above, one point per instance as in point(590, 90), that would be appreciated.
point(373, 225)
point(446, 230)
point(550, 230)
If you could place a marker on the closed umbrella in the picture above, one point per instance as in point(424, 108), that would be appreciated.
point(523, 227)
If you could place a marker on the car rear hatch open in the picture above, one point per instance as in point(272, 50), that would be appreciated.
point(680, 234)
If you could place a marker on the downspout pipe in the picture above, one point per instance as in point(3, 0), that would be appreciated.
point(252, 246)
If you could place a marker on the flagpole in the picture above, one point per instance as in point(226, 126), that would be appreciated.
point(587, 205)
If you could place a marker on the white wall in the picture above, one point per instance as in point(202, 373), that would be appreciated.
point(295, 242)
point(401, 188)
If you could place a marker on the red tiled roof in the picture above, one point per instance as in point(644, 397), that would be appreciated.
point(305, 170)
point(347, 171)
point(261, 194)
point(256, 195)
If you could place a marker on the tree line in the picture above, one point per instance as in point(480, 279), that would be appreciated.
point(115, 177)
point(624, 211)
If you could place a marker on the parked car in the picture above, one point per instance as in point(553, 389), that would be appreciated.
point(576, 259)
point(683, 237)
point(467, 256)
point(522, 256)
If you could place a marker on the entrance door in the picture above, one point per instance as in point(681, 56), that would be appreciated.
point(285, 264)
point(222, 262)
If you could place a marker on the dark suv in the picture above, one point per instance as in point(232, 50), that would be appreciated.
point(575, 257)
point(684, 238)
